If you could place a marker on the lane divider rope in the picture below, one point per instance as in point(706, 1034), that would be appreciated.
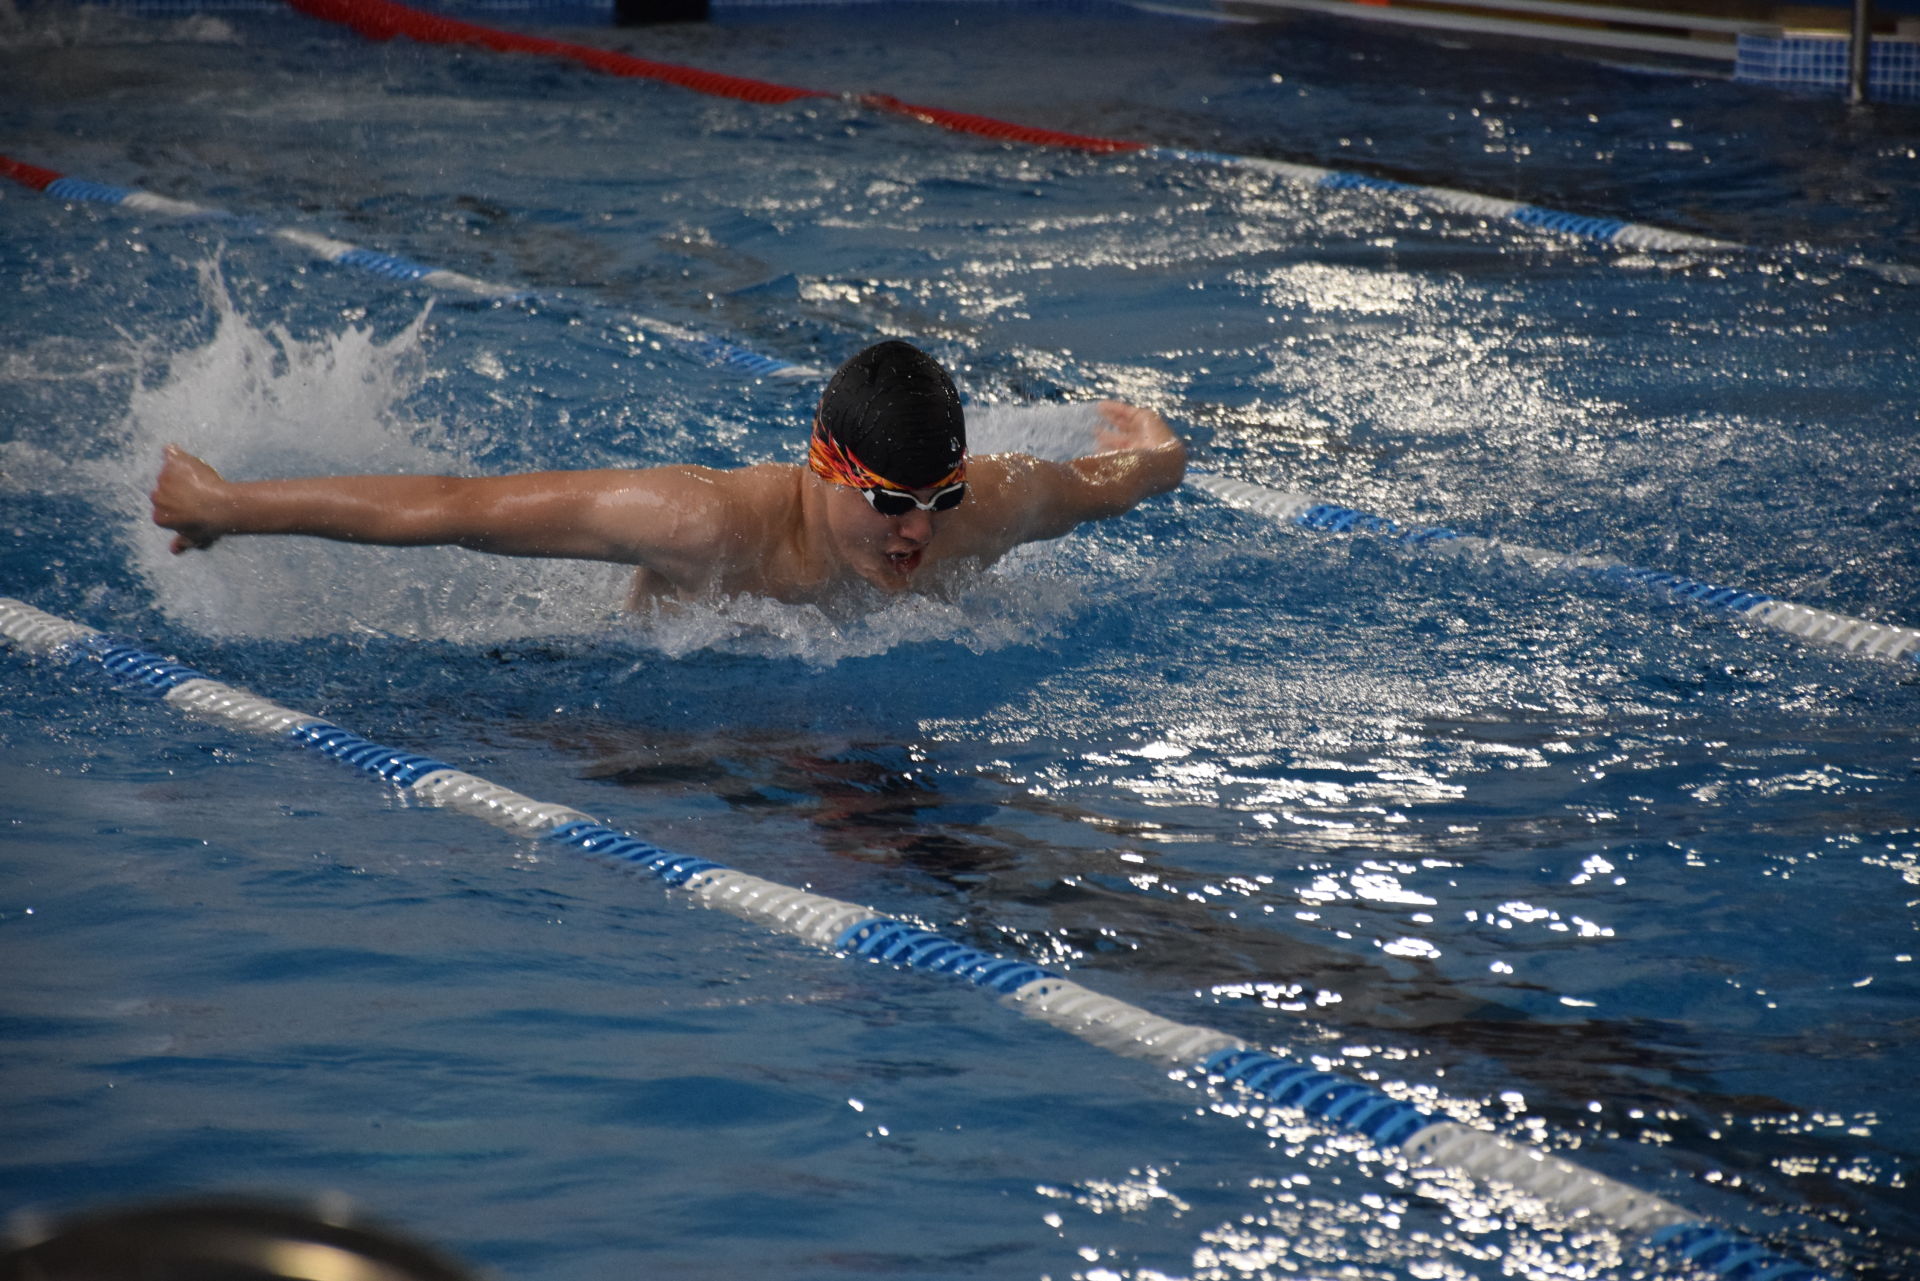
point(1855, 635)
point(1228, 1064)
point(383, 20)
point(705, 348)
point(388, 19)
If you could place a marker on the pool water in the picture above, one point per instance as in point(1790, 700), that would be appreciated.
point(1632, 881)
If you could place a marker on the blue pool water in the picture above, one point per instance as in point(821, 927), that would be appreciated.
point(1626, 879)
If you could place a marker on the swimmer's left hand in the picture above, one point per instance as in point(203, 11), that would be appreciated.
point(1130, 427)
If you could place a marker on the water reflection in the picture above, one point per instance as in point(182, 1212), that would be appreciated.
point(1421, 965)
point(1024, 872)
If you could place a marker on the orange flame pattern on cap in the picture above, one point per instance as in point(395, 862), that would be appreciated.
point(830, 460)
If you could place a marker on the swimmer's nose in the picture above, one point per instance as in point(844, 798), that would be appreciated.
point(916, 526)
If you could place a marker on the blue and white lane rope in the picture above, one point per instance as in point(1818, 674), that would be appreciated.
point(1426, 1141)
point(703, 347)
point(384, 19)
point(1607, 231)
point(1595, 228)
point(1856, 635)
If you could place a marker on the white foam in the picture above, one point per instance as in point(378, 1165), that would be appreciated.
point(260, 402)
point(1027, 599)
point(1058, 432)
point(100, 26)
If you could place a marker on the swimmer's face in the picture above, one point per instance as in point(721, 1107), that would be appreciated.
point(885, 550)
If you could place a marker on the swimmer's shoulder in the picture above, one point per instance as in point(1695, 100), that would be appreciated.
point(729, 531)
point(1000, 464)
point(752, 488)
point(1001, 490)
point(1018, 498)
point(756, 511)
point(996, 477)
point(759, 495)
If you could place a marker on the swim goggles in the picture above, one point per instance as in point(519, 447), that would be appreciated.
point(832, 461)
point(897, 502)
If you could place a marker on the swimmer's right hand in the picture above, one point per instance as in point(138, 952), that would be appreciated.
point(186, 499)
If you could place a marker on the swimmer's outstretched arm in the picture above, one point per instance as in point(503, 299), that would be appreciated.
point(1139, 456)
point(669, 518)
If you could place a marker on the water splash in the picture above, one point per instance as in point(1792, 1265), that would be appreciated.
point(257, 400)
point(1027, 599)
point(260, 401)
point(1058, 432)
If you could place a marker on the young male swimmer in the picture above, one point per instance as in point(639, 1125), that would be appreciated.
point(889, 496)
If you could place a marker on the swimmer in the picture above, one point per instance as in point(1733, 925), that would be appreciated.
point(889, 496)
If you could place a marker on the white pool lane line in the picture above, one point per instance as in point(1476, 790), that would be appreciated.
point(1519, 214)
point(1230, 1066)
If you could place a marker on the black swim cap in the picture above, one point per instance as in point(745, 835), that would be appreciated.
point(895, 410)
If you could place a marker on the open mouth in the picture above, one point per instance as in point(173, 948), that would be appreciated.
point(904, 563)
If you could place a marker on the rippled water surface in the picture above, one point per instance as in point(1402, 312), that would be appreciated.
point(1626, 879)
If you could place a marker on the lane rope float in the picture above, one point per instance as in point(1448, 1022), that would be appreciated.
point(706, 348)
point(387, 19)
point(1229, 1065)
point(1856, 635)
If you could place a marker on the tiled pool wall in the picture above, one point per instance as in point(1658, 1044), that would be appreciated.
point(1818, 61)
